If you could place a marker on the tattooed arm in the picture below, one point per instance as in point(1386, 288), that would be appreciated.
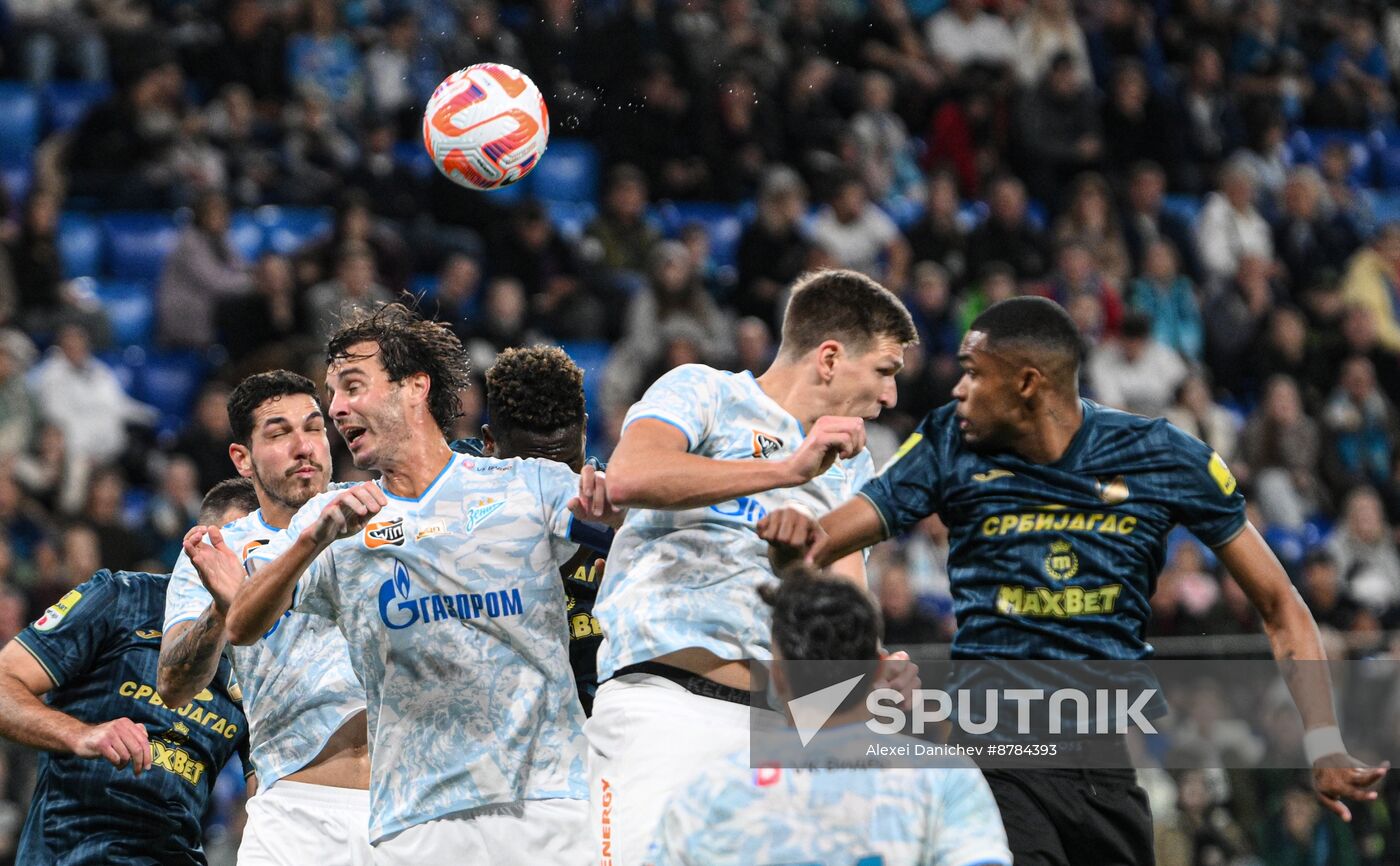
point(189, 657)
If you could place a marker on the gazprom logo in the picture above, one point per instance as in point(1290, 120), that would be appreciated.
point(399, 608)
point(746, 508)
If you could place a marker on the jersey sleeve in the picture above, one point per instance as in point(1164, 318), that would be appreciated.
point(186, 599)
point(554, 484)
point(1205, 495)
point(686, 398)
point(69, 637)
point(908, 488)
point(312, 591)
point(966, 830)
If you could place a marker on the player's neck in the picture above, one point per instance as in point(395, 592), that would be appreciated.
point(1050, 432)
point(783, 382)
point(416, 466)
point(276, 515)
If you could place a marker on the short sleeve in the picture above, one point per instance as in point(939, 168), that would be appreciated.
point(312, 591)
point(1206, 498)
point(554, 484)
point(686, 398)
point(186, 599)
point(967, 827)
point(908, 488)
point(70, 636)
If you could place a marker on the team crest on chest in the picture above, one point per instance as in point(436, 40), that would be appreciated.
point(482, 510)
point(765, 445)
point(385, 533)
point(1113, 491)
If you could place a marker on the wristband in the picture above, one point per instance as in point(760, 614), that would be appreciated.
point(1321, 742)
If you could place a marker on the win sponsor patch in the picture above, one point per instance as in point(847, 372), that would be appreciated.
point(55, 614)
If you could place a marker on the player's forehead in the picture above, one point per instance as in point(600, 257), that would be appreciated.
point(292, 408)
point(974, 348)
point(358, 359)
point(885, 349)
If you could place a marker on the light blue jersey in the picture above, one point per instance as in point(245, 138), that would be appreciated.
point(734, 815)
point(454, 613)
point(298, 685)
point(680, 579)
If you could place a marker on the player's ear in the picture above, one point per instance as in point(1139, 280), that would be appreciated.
point(242, 459)
point(1029, 382)
point(488, 441)
point(828, 353)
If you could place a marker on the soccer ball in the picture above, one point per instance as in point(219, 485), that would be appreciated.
point(486, 126)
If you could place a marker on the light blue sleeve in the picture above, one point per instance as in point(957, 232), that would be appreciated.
point(185, 598)
point(968, 829)
point(312, 591)
point(687, 398)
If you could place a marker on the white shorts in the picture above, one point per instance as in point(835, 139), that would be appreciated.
point(647, 738)
point(525, 833)
point(294, 824)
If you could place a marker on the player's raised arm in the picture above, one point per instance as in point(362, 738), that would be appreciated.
point(1297, 647)
point(267, 594)
point(652, 466)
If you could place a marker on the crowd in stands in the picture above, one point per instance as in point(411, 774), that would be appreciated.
point(1204, 184)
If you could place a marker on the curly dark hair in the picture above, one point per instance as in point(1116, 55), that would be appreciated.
point(818, 616)
point(538, 389)
point(257, 389)
point(408, 344)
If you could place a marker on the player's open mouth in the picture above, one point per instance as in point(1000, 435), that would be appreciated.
point(352, 434)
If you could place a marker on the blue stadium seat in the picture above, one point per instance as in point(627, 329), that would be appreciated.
point(1386, 207)
point(423, 286)
point(1188, 207)
point(1309, 143)
point(124, 363)
point(18, 180)
point(571, 218)
point(721, 221)
point(568, 172)
point(138, 243)
point(131, 307)
point(411, 155)
point(170, 381)
point(68, 102)
point(19, 123)
point(80, 245)
point(246, 235)
point(289, 228)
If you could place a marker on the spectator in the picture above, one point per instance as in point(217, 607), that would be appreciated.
point(1058, 128)
point(1168, 299)
point(249, 145)
point(1307, 240)
point(1356, 336)
point(905, 619)
point(996, 284)
point(561, 303)
point(399, 70)
point(1076, 276)
point(391, 188)
point(887, 163)
point(858, 235)
point(1362, 427)
point(1353, 79)
point(1133, 120)
point(322, 61)
point(1008, 234)
point(175, 508)
point(504, 322)
point(1230, 226)
point(22, 523)
point(1365, 553)
point(773, 248)
point(83, 397)
point(1196, 412)
point(939, 235)
point(19, 416)
point(354, 285)
point(1283, 350)
point(1201, 830)
point(1090, 220)
point(1145, 220)
point(1126, 32)
point(1047, 32)
point(355, 225)
point(120, 546)
point(892, 45)
point(252, 53)
point(458, 292)
point(1135, 372)
point(1371, 279)
point(1344, 194)
point(964, 34)
point(753, 343)
point(674, 294)
point(930, 302)
point(1328, 598)
point(1281, 447)
point(742, 139)
point(749, 40)
point(1187, 599)
point(1266, 63)
point(317, 153)
point(482, 39)
point(1267, 156)
point(1234, 317)
point(205, 440)
point(265, 319)
point(659, 134)
point(621, 236)
point(50, 32)
point(45, 300)
point(52, 476)
point(1207, 123)
point(202, 270)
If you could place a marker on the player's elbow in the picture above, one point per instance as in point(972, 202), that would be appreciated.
point(626, 487)
point(173, 693)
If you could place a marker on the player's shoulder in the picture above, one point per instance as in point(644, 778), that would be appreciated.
point(697, 377)
point(1114, 427)
point(121, 580)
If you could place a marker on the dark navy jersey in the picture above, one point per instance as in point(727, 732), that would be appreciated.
point(581, 580)
point(100, 644)
point(1058, 561)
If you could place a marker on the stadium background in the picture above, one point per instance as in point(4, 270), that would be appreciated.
point(197, 185)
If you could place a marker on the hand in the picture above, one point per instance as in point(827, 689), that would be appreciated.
point(899, 673)
point(216, 564)
point(347, 513)
point(1337, 776)
point(119, 742)
point(831, 437)
point(792, 535)
point(592, 504)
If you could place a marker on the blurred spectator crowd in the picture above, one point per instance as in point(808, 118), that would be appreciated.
point(194, 189)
